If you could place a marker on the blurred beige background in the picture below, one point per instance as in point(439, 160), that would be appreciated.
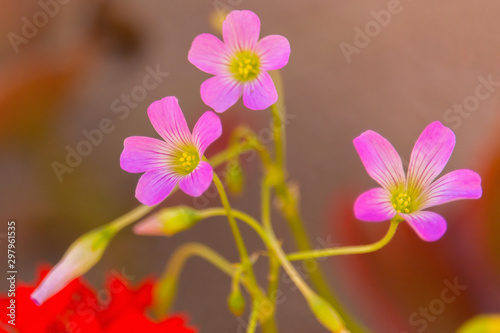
point(66, 78)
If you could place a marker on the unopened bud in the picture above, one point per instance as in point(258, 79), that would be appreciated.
point(235, 177)
point(164, 294)
point(325, 313)
point(236, 302)
point(81, 256)
point(168, 221)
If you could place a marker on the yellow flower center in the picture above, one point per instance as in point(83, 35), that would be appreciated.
point(186, 161)
point(245, 66)
point(403, 203)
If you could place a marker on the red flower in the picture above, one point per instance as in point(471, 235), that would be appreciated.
point(117, 308)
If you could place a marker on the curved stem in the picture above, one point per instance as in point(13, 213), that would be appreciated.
point(268, 323)
point(166, 289)
point(188, 250)
point(130, 217)
point(347, 249)
point(254, 224)
point(240, 244)
point(245, 260)
point(266, 214)
point(333, 321)
point(230, 153)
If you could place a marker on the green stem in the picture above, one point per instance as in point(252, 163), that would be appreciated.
point(278, 113)
point(254, 289)
point(254, 315)
point(347, 249)
point(212, 212)
point(333, 319)
point(240, 244)
point(274, 262)
point(229, 153)
point(268, 324)
point(166, 289)
point(292, 215)
point(130, 217)
point(272, 290)
point(187, 250)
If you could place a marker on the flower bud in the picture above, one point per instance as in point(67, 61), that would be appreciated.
point(325, 313)
point(235, 177)
point(236, 302)
point(168, 221)
point(81, 256)
point(164, 294)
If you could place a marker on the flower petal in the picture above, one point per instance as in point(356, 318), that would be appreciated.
point(381, 160)
point(207, 129)
point(168, 120)
point(220, 92)
point(430, 155)
point(260, 93)
point(429, 226)
point(141, 154)
point(274, 52)
point(197, 181)
point(374, 206)
point(209, 54)
point(154, 186)
point(456, 185)
point(241, 30)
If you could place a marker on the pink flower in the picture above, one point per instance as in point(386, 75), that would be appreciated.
point(406, 196)
point(177, 159)
point(240, 63)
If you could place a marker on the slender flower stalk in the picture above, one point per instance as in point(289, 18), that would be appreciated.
point(347, 249)
point(324, 312)
point(253, 287)
point(165, 291)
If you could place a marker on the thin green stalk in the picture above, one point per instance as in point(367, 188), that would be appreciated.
point(278, 113)
point(268, 324)
point(130, 217)
point(230, 153)
point(322, 310)
point(166, 289)
point(254, 289)
point(272, 289)
point(188, 250)
point(290, 205)
point(240, 244)
point(274, 262)
point(212, 212)
point(347, 249)
point(254, 316)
